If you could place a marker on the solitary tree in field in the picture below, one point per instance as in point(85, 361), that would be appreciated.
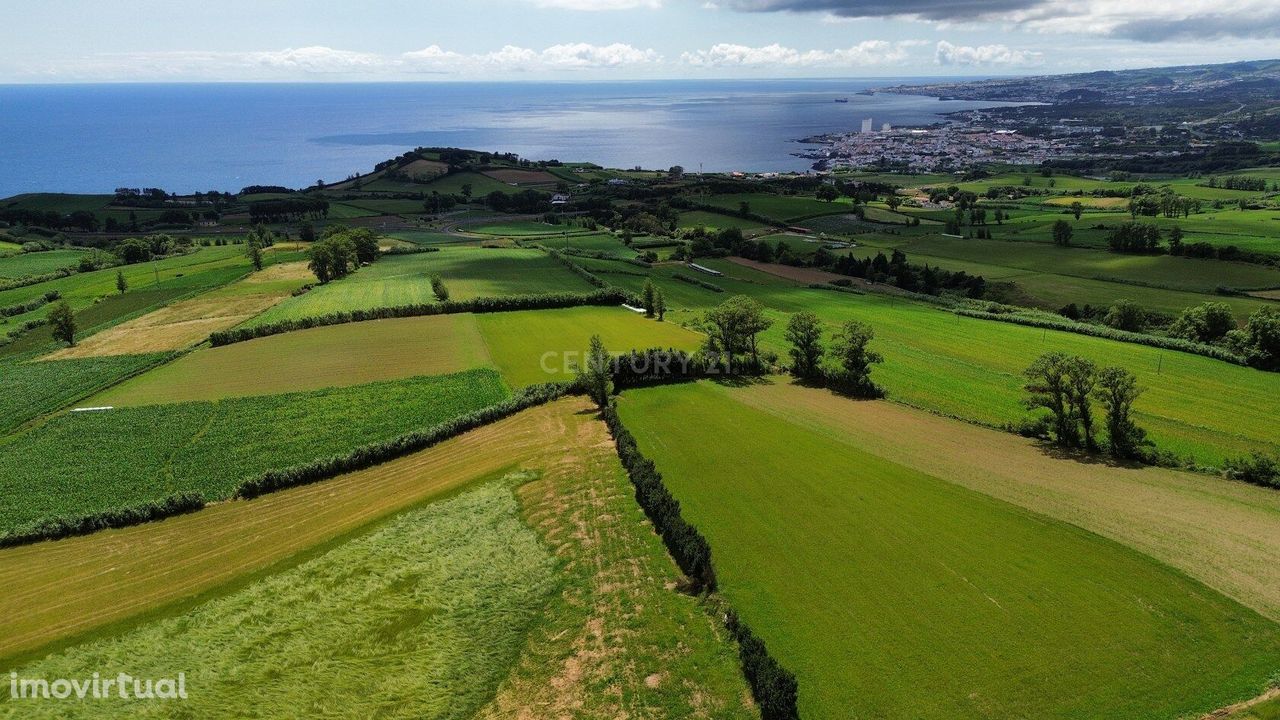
point(660, 304)
point(893, 201)
point(1062, 233)
point(649, 295)
point(594, 375)
point(63, 322)
point(855, 359)
point(1117, 389)
point(827, 193)
point(121, 283)
point(804, 332)
point(1077, 209)
point(254, 252)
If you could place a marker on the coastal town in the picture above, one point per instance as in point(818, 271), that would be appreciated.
point(931, 149)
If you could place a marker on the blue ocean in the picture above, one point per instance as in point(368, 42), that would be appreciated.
point(187, 137)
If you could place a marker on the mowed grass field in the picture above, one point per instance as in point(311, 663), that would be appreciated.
point(1193, 406)
point(1224, 534)
point(468, 272)
point(83, 463)
point(893, 593)
point(333, 356)
point(535, 346)
point(434, 605)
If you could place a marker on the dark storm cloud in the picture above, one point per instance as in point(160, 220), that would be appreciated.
point(953, 10)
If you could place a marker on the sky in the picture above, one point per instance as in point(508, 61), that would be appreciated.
point(59, 41)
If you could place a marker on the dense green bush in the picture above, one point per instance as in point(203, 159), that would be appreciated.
point(1257, 469)
point(774, 687)
point(544, 301)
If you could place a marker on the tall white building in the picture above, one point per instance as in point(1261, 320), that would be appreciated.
point(866, 125)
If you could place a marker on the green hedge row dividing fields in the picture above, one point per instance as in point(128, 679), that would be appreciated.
point(83, 464)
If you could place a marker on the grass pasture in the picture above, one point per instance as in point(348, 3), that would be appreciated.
point(702, 218)
point(81, 463)
point(1193, 406)
point(406, 280)
point(37, 263)
point(534, 346)
point(333, 356)
point(893, 593)
point(1224, 534)
point(434, 604)
point(782, 208)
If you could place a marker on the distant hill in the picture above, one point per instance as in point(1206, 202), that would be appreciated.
point(1254, 81)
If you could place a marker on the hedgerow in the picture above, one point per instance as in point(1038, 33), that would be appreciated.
point(544, 301)
point(695, 281)
point(774, 687)
point(36, 279)
point(687, 546)
point(376, 453)
point(582, 272)
point(62, 527)
point(26, 307)
point(409, 250)
point(1109, 333)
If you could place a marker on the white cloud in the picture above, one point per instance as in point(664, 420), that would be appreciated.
point(314, 59)
point(570, 56)
point(867, 52)
point(949, 54)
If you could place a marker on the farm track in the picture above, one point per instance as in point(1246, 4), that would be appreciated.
point(59, 591)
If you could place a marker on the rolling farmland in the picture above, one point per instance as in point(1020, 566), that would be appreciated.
point(961, 605)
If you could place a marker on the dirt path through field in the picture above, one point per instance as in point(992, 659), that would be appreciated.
point(1225, 534)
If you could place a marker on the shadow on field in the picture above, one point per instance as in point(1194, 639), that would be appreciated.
point(1087, 458)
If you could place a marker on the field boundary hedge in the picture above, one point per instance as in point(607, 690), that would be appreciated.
point(773, 686)
point(64, 527)
point(1108, 333)
point(695, 281)
point(509, 303)
point(361, 458)
point(1018, 316)
point(367, 456)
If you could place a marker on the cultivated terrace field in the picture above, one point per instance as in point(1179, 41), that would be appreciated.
point(473, 436)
